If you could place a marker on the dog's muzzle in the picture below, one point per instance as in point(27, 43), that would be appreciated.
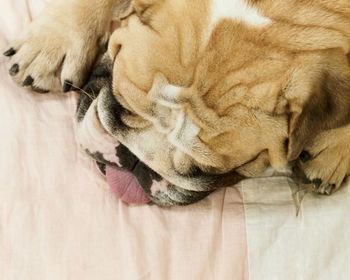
point(103, 135)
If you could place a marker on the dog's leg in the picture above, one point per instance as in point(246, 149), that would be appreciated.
point(326, 159)
point(57, 50)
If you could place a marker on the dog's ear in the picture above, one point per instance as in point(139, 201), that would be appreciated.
point(325, 102)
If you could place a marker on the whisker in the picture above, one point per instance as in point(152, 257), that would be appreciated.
point(83, 91)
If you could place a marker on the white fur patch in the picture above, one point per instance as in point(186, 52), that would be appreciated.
point(168, 96)
point(171, 92)
point(237, 10)
point(161, 186)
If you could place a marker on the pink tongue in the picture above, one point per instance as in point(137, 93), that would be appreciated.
point(125, 185)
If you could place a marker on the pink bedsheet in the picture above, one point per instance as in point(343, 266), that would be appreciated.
point(59, 219)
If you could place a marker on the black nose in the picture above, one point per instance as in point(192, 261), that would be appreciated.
point(305, 156)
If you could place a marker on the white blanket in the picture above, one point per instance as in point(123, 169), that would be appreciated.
point(59, 220)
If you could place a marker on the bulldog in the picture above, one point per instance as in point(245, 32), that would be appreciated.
point(196, 95)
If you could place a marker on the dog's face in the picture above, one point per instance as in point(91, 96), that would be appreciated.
point(198, 81)
point(205, 90)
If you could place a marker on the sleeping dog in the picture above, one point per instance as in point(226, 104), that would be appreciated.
point(202, 92)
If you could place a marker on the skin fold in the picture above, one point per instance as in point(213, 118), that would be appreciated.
point(208, 88)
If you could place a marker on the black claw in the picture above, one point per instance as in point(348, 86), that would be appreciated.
point(9, 52)
point(317, 182)
point(28, 81)
point(305, 156)
point(67, 85)
point(14, 69)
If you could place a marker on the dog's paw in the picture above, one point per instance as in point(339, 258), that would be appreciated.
point(55, 52)
point(326, 160)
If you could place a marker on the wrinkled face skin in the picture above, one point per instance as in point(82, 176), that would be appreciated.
point(181, 78)
point(204, 97)
point(99, 125)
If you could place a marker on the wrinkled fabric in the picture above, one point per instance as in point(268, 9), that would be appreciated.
point(315, 245)
point(60, 220)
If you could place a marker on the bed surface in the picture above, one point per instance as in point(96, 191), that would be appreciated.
point(60, 220)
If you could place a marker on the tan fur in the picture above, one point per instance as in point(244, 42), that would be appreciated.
point(257, 94)
point(241, 87)
point(62, 43)
point(330, 161)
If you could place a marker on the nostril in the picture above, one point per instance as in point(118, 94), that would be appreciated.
point(305, 156)
point(118, 48)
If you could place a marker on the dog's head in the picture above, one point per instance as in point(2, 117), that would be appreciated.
point(206, 92)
